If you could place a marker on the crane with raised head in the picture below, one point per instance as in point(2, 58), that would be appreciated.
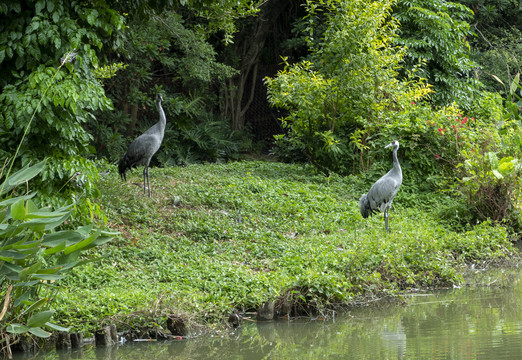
point(381, 194)
point(142, 149)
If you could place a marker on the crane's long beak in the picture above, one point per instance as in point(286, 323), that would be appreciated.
point(387, 146)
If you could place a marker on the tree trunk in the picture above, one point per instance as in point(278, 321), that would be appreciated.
point(239, 90)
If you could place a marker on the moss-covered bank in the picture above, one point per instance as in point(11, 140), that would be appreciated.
point(218, 237)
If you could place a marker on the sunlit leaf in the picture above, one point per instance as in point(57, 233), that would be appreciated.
point(497, 174)
point(17, 329)
point(36, 331)
point(21, 176)
point(18, 210)
point(57, 327)
point(40, 318)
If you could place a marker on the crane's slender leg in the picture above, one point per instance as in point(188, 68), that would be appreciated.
point(148, 180)
point(144, 179)
point(386, 219)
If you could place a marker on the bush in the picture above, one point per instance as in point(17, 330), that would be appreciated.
point(34, 256)
point(348, 84)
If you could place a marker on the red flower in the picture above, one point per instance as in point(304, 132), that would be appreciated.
point(465, 120)
point(441, 131)
point(437, 156)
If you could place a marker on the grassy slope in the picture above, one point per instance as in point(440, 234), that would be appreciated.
point(300, 235)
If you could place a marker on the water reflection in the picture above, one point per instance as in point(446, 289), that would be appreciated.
point(467, 323)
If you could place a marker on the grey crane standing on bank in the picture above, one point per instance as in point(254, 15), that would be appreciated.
point(381, 194)
point(142, 149)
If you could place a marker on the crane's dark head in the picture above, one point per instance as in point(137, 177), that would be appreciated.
point(394, 144)
point(159, 97)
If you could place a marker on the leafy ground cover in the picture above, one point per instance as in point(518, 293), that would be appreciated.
point(218, 237)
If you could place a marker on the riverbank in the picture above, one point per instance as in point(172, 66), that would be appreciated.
point(214, 238)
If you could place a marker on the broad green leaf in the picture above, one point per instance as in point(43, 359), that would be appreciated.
point(11, 268)
point(29, 270)
point(36, 331)
point(10, 201)
point(52, 270)
point(17, 255)
point(36, 305)
point(55, 249)
point(39, 224)
point(17, 328)
point(56, 238)
point(31, 207)
point(39, 6)
point(18, 210)
point(85, 230)
point(82, 243)
point(28, 283)
point(14, 241)
point(46, 214)
point(23, 175)
point(40, 318)
point(23, 298)
point(67, 259)
point(57, 327)
point(27, 252)
point(26, 245)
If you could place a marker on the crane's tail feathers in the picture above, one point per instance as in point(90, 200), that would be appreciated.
point(364, 206)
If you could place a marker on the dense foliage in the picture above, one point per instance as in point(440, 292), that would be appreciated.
point(348, 85)
point(162, 55)
point(435, 35)
point(48, 50)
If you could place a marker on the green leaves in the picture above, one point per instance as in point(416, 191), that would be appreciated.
point(18, 210)
point(56, 99)
point(434, 33)
point(348, 82)
point(21, 176)
point(33, 255)
point(40, 318)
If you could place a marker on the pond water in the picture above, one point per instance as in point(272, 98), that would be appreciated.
point(473, 322)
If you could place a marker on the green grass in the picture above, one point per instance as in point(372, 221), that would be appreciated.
point(216, 237)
